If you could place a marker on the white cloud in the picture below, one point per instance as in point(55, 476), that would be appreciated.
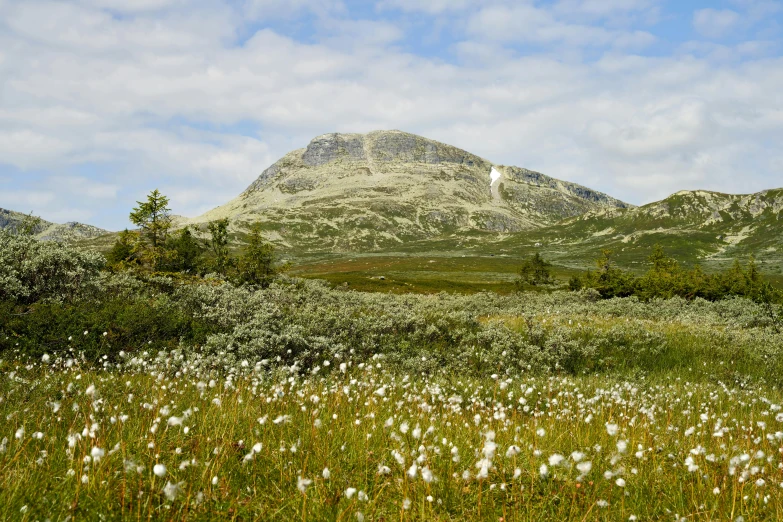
point(527, 23)
point(155, 99)
point(430, 6)
point(714, 23)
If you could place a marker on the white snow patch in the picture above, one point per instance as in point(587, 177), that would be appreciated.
point(494, 175)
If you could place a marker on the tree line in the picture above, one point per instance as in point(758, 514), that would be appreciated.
point(153, 247)
point(664, 279)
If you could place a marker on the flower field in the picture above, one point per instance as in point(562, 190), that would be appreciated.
point(355, 441)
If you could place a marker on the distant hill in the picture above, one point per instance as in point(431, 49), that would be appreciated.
point(703, 227)
point(48, 231)
point(355, 192)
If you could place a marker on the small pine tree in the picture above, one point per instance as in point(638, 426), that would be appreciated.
point(535, 271)
point(187, 252)
point(153, 217)
point(124, 249)
point(257, 264)
point(218, 244)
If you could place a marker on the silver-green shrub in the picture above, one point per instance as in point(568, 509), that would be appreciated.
point(32, 270)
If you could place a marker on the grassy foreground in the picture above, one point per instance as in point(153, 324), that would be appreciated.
point(355, 441)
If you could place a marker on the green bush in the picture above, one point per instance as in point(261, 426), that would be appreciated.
point(32, 270)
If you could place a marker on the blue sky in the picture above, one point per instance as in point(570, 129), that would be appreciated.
point(104, 100)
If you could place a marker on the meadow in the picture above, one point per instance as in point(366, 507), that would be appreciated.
point(168, 397)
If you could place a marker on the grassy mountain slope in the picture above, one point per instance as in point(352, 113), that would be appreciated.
point(384, 189)
point(703, 227)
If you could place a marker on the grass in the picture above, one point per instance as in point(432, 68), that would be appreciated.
point(420, 273)
point(652, 446)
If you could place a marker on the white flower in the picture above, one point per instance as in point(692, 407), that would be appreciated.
point(584, 467)
point(326, 474)
point(543, 471)
point(716, 491)
point(426, 475)
point(383, 470)
point(406, 504)
point(172, 491)
point(214, 480)
point(611, 429)
point(540, 432)
point(350, 492)
point(302, 484)
point(556, 459)
point(576, 456)
point(45, 358)
point(412, 470)
point(512, 451)
point(363, 496)
point(760, 482)
point(381, 392)
point(159, 470)
point(620, 482)
point(97, 454)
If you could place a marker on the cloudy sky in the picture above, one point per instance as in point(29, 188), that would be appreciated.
point(104, 100)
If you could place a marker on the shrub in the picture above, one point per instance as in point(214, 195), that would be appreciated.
point(32, 270)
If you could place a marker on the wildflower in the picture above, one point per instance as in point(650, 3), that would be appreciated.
point(426, 475)
point(159, 470)
point(362, 496)
point(383, 470)
point(584, 467)
point(543, 471)
point(45, 358)
point(412, 470)
point(512, 451)
point(326, 474)
point(760, 482)
point(214, 480)
point(302, 484)
point(350, 492)
point(620, 482)
point(540, 432)
point(406, 504)
point(172, 491)
point(517, 473)
point(556, 459)
point(97, 454)
point(19, 433)
point(576, 456)
point(381, 392)
point(611, 429)
point(716, 491)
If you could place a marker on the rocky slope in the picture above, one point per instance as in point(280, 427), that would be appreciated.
point(696, 226)
point(348, 192)
point(48, 231)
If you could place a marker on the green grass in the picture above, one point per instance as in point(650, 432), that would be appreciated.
point(204, 436)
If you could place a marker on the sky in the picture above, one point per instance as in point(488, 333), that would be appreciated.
point(102, 101)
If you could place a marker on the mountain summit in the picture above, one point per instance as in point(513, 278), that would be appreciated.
point(375, 190)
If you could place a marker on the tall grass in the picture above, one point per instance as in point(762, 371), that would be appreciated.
point(82, 443)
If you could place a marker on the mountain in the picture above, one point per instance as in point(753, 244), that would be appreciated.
point(351, 192)
point(48, 231)
point(698, 226)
